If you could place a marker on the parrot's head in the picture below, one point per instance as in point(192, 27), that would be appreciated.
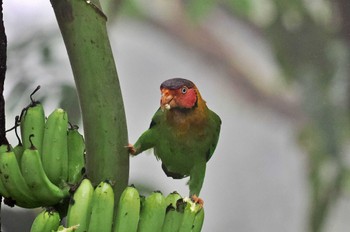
point(178, 93)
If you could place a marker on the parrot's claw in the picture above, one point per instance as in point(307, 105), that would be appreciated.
point(197, 200)
point(131, 149)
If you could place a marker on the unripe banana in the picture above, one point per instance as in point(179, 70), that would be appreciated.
point(173, 217)
point(3, 191)
point(32, 123)
point(76, 159)
point(14, 181)
point(79, 209)
point(191, 209)
point(102, 208)
point(46, 221)
point(198, 221)
point(128, 213)
point(172, 198)
point(55, 152)
point(18, 150)
point(152, 213)
point(43, 189)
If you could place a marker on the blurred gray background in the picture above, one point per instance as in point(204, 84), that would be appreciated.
point(276, 72)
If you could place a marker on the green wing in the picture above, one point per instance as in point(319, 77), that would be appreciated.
point(215, 123)
point(149, 138)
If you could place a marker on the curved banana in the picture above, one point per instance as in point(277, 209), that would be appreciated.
point(173, 217)
point(46, 221)
point(32, 122)
point(79, 209)
point(3, 191)
point(14, 181)
point(76, 159)
point(190, 211)
point(54, 151)
point(152, 213)
point(43, 189)
point(18, 150)
point(128, 213)
point(198, 221)
point(102, 208)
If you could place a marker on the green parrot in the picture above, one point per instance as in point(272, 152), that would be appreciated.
point(184, 133)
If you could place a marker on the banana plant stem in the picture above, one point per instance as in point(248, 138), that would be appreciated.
point(83, 27)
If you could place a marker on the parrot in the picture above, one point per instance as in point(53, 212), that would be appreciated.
point(183, 133)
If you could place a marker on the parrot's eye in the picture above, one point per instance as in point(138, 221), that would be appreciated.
point(184, 90)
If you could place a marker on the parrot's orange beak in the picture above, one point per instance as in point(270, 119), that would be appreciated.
point(166, 100)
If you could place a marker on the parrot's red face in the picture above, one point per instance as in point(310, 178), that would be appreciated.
point(178, 93)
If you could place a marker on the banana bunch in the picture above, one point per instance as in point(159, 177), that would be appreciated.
point(92, 210)
point(40, 171)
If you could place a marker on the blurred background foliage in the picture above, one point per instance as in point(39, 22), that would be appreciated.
point(309, 40)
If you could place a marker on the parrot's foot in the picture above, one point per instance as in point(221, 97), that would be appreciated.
point(131, 149)
point(197, 200)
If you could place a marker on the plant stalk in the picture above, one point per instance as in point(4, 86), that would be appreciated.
point(83, 27)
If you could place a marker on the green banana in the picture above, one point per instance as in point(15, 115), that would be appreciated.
point(174, 212)
point(14, 181)
point(46, 221)
point(3, 191)
point(43, 189)
point(18, 149)
point(198, 221)
point(173, 219)
point(128, 213)
point(76, 159)
point(152, 213)
point(102, 208)
point(32, 122)
point(191, 209)
point(172, 198)
point(54, 151)
point(79, 209)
